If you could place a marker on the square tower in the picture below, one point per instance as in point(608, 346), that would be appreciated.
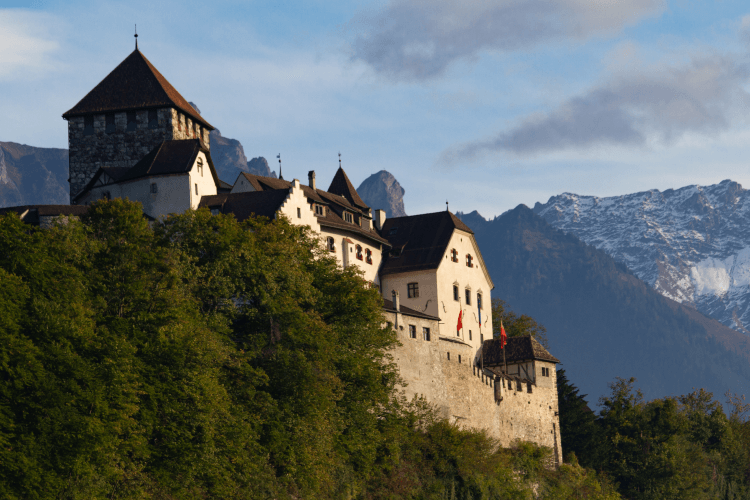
point(124, 117)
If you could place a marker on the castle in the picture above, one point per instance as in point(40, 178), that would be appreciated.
point(134, 136)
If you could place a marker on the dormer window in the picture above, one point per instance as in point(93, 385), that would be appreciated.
point(331, 244)
point(469, 261)
point(368, 256)
point(454, 255)
point(110, 121)
point(319, 210)
point(359, 252)
point(393, 231)
point(348, 217)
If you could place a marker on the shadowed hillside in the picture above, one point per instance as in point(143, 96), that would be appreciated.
point(602, 321)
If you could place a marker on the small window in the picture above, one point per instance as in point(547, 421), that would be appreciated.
point(200, 166)
point(331, 244)
point(368, 256)
point(426, 333)
point(412, 290)
point(479, 300)
point(319, 210)
point(469, 334)
point(413, 331)
point(481, 338)
point(528, 387)
point(106, 196)
point(455, 293)
point(299, 213)
point(215, 211)
point(454, 255)
point(88, 125)
point(468, 296)
point(469, 261)
point(348, 217)
point(459, 359)
point(392, 231)
point(449, 355)
point(196, 188)
point(154, 188)
point(359, 252)
point(132, 123)
point(110, 121)
point(153, 119)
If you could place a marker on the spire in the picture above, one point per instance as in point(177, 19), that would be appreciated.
point(339, 159)
point(446, 206)
point(280, 175)
point(136, 37)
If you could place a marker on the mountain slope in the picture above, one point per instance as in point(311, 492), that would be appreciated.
point(691, 244)
point(602, 321)
point(31, 175)
point(383, 191)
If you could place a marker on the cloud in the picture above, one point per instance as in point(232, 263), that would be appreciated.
point(419, 39)
point(658, 104)
point(26, 43)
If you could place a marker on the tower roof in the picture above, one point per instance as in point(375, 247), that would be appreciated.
point(518, 349)
point(342, 186)
point(134, 84)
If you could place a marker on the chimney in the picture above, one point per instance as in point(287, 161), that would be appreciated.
point(311, 179)
point(396, 302)
point(379, 219)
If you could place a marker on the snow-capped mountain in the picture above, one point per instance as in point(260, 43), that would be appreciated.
point(691, 244)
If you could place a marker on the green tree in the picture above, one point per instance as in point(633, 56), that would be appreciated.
point(516, 325)
point(579, 432)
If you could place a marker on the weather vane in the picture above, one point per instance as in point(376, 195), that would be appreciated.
point(279, 157)
point(446, 206)
point(136, 37)
point(339, 159)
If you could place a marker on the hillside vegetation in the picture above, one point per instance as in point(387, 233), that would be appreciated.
point(204, 358)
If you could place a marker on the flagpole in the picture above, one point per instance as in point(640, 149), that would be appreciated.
point(502, 330)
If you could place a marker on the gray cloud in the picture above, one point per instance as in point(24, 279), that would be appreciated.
point(419, 39)
point(703, 96)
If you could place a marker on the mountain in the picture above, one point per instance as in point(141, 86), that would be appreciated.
point(691, 244)
point(31, 175)
point(229, 159)
point(602, 321)
point(382, 191)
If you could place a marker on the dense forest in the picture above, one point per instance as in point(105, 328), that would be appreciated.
point(199, 357)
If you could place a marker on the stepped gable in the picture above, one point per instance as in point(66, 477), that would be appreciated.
point(331, 218)
point(517, 349)
point(421, 239)
point(388, 306)
point(247, 204)
point(134, 84)
point(343, 187)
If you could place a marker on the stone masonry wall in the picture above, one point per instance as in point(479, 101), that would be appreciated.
point(122, 148)
point(465, 394)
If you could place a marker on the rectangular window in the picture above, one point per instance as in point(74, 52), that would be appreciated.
point(412, 290)
point(479, 301)
point(153, 119)
point(132, 123)
point(154, 188)
point(528, 387)
point(196, 188)
point(110, 121)
point(455, 292)
point(449, 355)
point(468, 296)
point(426, 333)
point(413, 331)
point(215, 212)
point(348, 217)
point(88, 125)
point(459, 359)
point(319, 210)
point(469, 334)
point(299, 213)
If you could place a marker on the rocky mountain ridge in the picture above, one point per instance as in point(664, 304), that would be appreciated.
point(691, 244)
point(31, 175)
point(382, 191)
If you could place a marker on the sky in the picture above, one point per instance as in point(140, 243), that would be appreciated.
point(484, 104)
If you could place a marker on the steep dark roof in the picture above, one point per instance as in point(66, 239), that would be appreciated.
point(342, 186)
point(421, 239)
point(134, 84)
point(517, 349)
point(388, 306)
point(247, 204)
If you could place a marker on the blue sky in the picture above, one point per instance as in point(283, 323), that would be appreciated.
point(486, 104)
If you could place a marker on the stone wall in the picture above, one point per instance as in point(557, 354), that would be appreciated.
point(122, 148)
point(446, 372)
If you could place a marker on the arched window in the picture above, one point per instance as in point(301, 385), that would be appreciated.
point(469, 261)
point(454, 255)
point(331, 244)
point(359, 252)
point(368, 256)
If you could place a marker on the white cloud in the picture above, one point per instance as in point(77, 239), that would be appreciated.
point(27, 43)
point(419, 39)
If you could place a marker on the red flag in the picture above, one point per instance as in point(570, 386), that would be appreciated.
point(458, 327)
point(503, 336)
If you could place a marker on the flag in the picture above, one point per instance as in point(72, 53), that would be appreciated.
point(503, 336)
point(458, 327)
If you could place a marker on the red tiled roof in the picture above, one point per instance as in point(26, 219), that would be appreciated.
point(134, 84)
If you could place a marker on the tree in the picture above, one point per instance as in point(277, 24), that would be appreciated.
point(516, 325)
point(579, 432)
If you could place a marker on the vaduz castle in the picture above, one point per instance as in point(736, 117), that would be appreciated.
point(134, 136)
